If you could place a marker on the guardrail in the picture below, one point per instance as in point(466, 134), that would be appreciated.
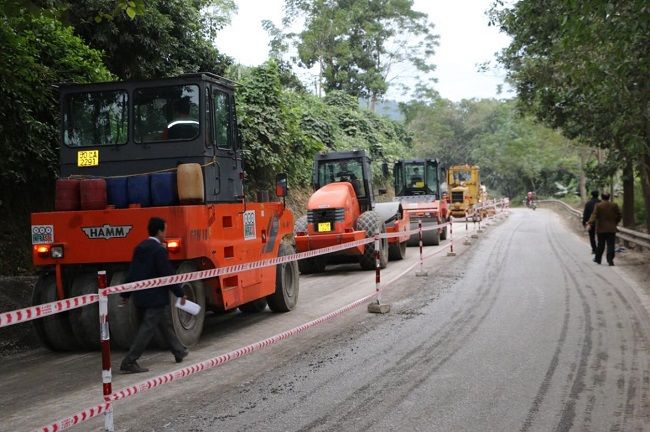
point(642, 240)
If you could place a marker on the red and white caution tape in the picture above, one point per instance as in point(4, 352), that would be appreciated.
point(40, 311)
point(160, 380)
point(75, 419)
point(35, 312)
point(232, 355)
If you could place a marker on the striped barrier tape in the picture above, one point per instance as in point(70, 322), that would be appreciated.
point(75, 419)
point(214, 362)
point(237, 268)
point(39, 311)
point(43, 310)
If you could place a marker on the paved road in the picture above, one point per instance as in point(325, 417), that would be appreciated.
point(519, 332)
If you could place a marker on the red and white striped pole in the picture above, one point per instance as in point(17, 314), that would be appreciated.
point(377, 269)
point(421, 272)
point(377, 306)
point(451, 240)
point(105, 341)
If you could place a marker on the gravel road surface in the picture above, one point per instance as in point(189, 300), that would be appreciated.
point(520, 331)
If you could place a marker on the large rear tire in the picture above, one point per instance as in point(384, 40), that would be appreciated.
point(287, 283)
point(123, 319)
point(188, 327)
point(431, 238)
point(371, 223)
point(396, 251)
point(54, 331)
point(85, 320)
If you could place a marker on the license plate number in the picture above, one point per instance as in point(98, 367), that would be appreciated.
point(324, 226)
point(88, 158)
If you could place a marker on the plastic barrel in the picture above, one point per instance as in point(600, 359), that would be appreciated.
point(116, 190)
point(138, 190)
point(92, 194)
point(66, 195)
point(190, 184)
point(164, 191)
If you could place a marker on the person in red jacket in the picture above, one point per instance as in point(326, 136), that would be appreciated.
point(149, 261)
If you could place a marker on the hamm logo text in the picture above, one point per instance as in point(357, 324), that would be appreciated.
point(107, 231)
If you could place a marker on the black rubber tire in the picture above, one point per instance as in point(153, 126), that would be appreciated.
point(371, 223)
point(443, 234)
point(431, 238)
point(255, 306)
point(316, 264)
point(397, 251)
point(188, 327)
point(287, 283)
point(85, 320)
point(123, 320)
point(308, 265)
point(53, 331)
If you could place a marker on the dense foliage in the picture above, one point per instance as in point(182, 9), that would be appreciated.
point(584, 67)
point(359, 45)
point(282, 128)
point(515, 153)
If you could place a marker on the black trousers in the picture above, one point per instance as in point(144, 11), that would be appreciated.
point(152, 319)
point(608, 239)
point(592, 239)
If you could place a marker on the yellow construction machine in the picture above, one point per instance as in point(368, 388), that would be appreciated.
point(465, 191)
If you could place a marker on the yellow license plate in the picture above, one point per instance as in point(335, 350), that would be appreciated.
point(88, 158)
point(324, 226)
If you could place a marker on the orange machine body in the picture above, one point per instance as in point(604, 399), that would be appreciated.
point(213, 235)
point(338, 206)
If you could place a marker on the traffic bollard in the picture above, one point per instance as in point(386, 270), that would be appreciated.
point(451, 240)
point(105, 341)
point(377, 306)
point(421, 272)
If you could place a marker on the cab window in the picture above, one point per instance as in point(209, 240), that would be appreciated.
point(95, 118)
point(168, 113)
point(221, 120)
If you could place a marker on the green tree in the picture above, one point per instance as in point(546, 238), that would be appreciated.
point(38, 52)
point(163, 37)
point(358, 45)
point(584, 67)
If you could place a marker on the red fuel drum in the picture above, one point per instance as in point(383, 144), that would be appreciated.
point(66, 195)
point(93, 194)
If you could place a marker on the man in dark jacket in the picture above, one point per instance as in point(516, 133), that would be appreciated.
point(606, 215)
point(586, 214)
point(150, 261)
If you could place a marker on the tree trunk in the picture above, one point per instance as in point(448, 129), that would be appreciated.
point(583, 178)
point(628, 194)
point(644, 168)
point(373, 102)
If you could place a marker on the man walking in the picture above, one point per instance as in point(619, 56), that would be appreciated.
point(606, 215)
point(586, 214)
point(150, 261)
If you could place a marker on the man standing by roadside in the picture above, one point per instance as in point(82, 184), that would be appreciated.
point(150, 261)
point(606, 215)
point(586, 214)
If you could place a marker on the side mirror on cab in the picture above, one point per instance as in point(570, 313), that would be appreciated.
point(281, 185)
